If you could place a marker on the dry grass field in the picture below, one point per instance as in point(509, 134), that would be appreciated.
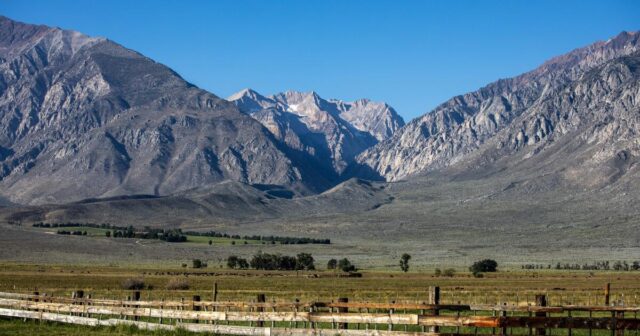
point(510, 286)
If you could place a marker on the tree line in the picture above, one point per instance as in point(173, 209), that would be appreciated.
point(176, 235)
point(77, 224)
point(620, 265)
point(73, 233)
point(271, 239)
point(170, 235)
point(271, 262)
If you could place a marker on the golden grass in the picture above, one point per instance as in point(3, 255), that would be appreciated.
point(561, 287)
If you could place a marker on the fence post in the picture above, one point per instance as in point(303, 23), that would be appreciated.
point(194, 306)
point(215, 291)
point(343, 310)
point(607, 292)
point(261, 299)
point(78, 294)
point(135, 296)
point(434, 299)
point(541, 301)
point(391, 311)
point(503, 313)
point(88, 303)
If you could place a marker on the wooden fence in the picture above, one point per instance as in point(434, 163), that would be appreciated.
point(320, 318)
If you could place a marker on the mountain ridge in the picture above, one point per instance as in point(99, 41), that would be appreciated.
point(84, 117)
point(328, 130)
point(461, 125)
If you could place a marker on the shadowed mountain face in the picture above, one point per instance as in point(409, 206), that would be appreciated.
point(330, 132)
point(590, 93)
point(84, 117)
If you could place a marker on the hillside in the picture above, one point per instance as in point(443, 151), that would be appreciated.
point(515, 115)
point(84, 117)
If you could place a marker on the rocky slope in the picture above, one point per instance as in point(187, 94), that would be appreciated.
point(590, 92)
point(85, 117)
point(333, 132)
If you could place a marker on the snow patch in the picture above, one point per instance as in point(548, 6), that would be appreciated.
point(293, 107)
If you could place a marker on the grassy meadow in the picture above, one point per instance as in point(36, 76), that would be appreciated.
point(510, 286)
point(14, 327)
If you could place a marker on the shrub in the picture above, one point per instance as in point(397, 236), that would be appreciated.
point(332, 264)
point(449, 272)
point(133, 284)
point(178, 284)
point(345, 265)
point(196, 263)
point(486, 265)
point(437, 272)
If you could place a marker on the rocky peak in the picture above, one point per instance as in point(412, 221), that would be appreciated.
point(377, 118)
point(329, 130)
point(250, 101)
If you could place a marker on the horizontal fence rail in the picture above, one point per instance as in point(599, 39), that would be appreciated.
point(321, 318)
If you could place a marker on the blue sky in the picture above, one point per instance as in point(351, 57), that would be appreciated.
point(412, 54)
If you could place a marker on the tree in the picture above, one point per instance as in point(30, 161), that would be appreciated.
point(243, 263)
point(210, 241)
point(196, 263)
point(108, 234)
point(404, 262)
point(237, 262)
point(486, 265)
point(232, 262)
point(345, 265)
point(286, 263)
point(304, 261)
point(332, 264)
point(265, 261)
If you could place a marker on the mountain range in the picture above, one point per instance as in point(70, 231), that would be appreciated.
point(588, 97)
point(91, 124)
point(84, 117)
point(542, 165)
